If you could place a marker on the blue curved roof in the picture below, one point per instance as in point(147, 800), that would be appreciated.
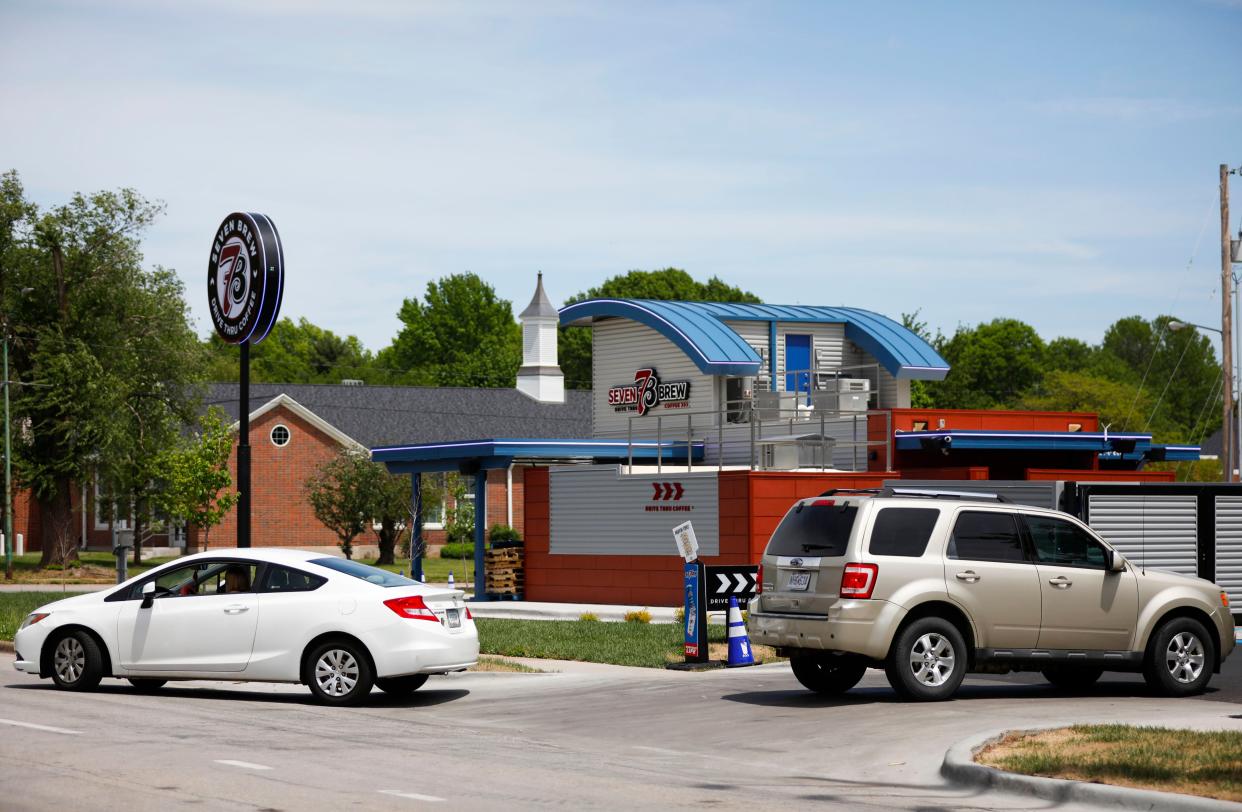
point(699, 329)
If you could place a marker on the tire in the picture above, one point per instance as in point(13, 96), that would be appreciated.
point(401, 686)
point(1072, 677)
point(828, 674)
point(1180, 658)
point(77, 662)
point(339, 673)
point(927, 661)
point(147, 684)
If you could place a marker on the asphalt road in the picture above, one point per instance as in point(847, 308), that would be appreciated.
point(587, 737)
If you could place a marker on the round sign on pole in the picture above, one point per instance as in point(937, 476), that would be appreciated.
point(245, 278)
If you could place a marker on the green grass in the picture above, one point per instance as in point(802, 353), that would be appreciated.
point(1188, 761)
point(638, 644)
point(435, 570)
point(91, 568)
point(14, 606)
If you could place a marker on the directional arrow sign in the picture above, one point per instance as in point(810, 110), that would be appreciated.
point(737, 581)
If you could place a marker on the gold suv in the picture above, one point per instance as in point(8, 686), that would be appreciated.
point(929, 585)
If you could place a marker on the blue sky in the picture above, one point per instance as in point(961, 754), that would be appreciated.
point(1054, 162)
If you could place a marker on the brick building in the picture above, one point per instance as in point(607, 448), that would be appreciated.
point(296, 427)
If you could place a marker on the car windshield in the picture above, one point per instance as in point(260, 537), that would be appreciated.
point(811, 529)
point(371, 575)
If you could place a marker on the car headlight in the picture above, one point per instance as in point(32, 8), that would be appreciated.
point(32, 619)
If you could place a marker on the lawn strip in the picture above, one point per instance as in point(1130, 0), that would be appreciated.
point(1205, 763)
point(14, 606)
point(646, 645)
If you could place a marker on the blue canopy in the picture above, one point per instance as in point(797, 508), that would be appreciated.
point(699, 329)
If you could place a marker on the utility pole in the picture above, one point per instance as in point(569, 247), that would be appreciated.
point(1226, 329)
point(8, 469)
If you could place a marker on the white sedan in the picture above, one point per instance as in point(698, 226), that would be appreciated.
point(270, 615)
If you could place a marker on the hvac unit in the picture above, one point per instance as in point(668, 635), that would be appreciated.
point(843, 395)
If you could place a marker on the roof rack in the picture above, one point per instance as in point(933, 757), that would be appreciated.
point(835, 491)
point(937, 494)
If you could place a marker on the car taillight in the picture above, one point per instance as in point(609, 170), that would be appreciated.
point(759, 580)
point(823, 503)
point(1224, 599)
point(468, 615)
point(858, 580)
point(412, 607)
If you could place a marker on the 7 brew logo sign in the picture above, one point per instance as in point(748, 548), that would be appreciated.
point(647, 392)
point(245, 278)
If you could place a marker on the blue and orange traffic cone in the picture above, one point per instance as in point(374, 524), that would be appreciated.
point(739, 644)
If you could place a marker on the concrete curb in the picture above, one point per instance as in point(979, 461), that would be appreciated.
point(959, 767)
point(7, 646)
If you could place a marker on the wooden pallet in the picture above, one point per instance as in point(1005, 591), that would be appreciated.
point(501, 560)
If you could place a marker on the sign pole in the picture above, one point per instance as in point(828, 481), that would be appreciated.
point(245, 285)
point(243, 451)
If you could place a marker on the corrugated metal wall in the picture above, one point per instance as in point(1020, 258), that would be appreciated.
point(826, 338)
point(1018, 491)
point(620, 347)
point(1229, 547)
point(1159, 531)
point(596, 510)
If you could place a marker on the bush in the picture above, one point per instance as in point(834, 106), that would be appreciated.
point(638, 616)
point(463, 550)
point(589, 617)
point(503, 532)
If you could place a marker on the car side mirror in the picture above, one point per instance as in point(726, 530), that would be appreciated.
point(1115, 562)
point(148, 594)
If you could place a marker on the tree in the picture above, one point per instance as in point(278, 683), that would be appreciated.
point(1064, 391)
point(990, 365)
point(462, 335)
point(194, 478)
point(75, 295)
point(669, 284)
point(1179, 368)
point(391, 509)
point(298, 352)
point(340, 493)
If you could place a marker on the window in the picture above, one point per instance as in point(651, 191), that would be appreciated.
point(1064, 544)
point(979, 536)
point(287, 579)
point(280, 435)
point(902, 531)
point(814, 530)
point(371, 575)
point(203, 578)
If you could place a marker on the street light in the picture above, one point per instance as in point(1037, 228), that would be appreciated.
point(1227, 453)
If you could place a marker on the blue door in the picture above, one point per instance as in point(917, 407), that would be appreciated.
point(798, 357)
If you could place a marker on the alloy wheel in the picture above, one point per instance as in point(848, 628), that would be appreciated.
point(1184, 657)
point(932, 659)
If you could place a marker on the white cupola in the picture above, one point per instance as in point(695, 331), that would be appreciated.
point(540, 375)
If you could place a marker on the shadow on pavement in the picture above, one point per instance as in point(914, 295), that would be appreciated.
point(975, 689)
point(377, 699)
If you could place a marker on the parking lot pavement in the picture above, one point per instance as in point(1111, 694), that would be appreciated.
point(584, 738)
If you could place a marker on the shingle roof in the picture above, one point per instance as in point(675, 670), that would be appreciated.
point(392, 415)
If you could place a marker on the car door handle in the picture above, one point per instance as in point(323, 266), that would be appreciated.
point(236, 609)
point(1060, 582)
point(969, 576)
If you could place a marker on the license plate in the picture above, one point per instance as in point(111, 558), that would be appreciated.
point(454, 618)
point(798, 581)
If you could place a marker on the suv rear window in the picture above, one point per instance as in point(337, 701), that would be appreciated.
point(817, 530)
point(902, 531)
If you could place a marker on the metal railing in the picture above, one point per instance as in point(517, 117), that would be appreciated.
point(742, 425)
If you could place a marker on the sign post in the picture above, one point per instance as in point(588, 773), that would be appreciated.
point(245, 284)
point(696, 606)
